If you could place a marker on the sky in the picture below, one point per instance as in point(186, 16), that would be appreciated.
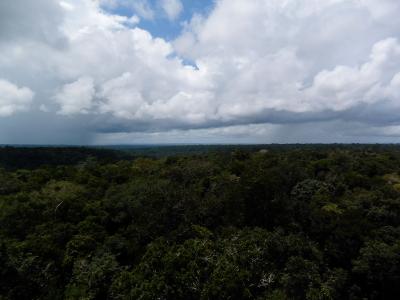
point(199, 71)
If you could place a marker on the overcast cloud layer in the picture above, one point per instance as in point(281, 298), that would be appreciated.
point(249, 71)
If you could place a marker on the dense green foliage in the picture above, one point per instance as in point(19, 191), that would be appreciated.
point(284, 223)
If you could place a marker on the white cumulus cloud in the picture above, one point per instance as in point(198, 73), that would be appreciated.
point(172, 8)
point(76, 97)
point(13, 98)
point(287, 63)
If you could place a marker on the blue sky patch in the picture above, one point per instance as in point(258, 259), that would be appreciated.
point(154, 19)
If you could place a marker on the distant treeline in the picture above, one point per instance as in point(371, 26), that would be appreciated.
point(271, 222)
point(34, 157)
point(30, 157)
point(172, 150)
